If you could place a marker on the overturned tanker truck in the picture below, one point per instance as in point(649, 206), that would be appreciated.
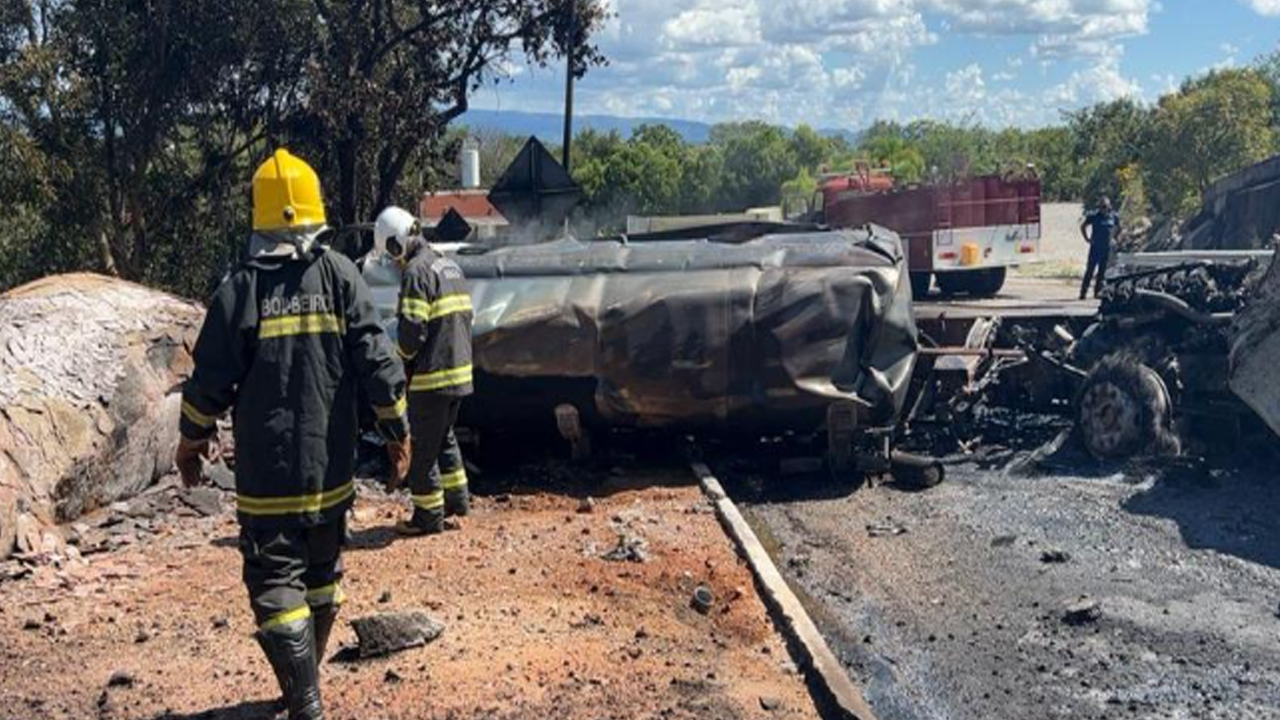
point(736, 329)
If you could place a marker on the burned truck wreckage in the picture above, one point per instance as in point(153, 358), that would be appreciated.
point(1178, 361)
point(733, 329)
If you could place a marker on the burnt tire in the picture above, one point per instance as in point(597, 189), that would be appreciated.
point(1124, 410)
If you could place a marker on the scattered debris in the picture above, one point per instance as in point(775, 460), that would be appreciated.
point(1082, 612)
point(204, 500)
point(702, 599)
point(888, 528)
point(630, 548)
point(388, 633)
point(1055, 556)
point(220, 476)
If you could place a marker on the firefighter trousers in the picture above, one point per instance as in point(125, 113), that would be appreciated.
point(436, 471)
point(291, 572)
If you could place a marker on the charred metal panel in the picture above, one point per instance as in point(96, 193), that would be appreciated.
point(763, 333)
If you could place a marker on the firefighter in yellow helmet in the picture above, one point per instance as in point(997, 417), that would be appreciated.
point(434, 340)
point(290, 341)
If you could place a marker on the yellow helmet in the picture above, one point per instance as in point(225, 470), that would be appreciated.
point(286, 194)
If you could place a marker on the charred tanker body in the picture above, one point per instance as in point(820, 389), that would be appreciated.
point(739, 329)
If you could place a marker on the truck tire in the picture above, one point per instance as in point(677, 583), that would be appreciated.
point(976, 283)
point(1124, 410)
point(987, 283)
point(920, 283)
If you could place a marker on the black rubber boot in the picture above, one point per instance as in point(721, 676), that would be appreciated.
point(457, 503)
point(322, 618)
point(423, 522)
point(291, 650)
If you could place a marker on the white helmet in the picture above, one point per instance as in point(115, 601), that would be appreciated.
point(392, 231)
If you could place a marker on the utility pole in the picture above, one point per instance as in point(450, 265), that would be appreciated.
point(571, 52)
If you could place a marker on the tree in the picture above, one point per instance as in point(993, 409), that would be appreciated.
point(388, 76)
point(798, 192)
point(1213, 126)
point(811, 149)
point(1105, 139)
point(903, 160)
point(142, 120)
point(757, 159)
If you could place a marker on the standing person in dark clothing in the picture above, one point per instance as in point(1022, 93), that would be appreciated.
point(290, 339)
point(1099, 227)
point(434, 340)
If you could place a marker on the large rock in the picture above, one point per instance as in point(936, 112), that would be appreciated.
point(90, 381)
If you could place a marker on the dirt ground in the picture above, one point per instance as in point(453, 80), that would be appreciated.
point(1071, 591)
point(538, 623)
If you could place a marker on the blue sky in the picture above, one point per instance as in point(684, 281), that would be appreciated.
point(845, 63)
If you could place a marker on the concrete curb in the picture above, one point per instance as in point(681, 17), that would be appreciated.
point(836, 694)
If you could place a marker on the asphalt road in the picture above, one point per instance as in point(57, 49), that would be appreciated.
point(955, 603)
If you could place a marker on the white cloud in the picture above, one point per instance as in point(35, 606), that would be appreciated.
point(843, 63)
point(1270, 8)
point(966, 86)
point(737, 25)
point(1061, 27)
point(1100, 82)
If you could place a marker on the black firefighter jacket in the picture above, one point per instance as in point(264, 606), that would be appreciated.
point(286, 342)
point(434, 324)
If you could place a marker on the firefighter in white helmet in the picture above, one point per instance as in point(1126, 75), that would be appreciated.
point(434, 339)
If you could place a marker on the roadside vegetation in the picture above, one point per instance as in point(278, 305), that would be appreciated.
point(130, 131)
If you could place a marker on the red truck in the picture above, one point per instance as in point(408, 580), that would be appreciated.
point(966, 234)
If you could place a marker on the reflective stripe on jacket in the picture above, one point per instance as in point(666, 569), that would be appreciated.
point(434, 324)
point(289, 344)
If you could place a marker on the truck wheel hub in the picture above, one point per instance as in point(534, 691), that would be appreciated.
point(1110, 417)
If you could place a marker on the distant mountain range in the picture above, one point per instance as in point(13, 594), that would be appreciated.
point(549, 127)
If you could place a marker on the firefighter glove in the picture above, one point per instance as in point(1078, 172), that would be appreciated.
point(399, 454)
point(190, 460)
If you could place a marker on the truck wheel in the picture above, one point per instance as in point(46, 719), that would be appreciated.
point(920, 282)
point(978, 283)
point(988, 282)
point(953, 283)
point(1124, 410)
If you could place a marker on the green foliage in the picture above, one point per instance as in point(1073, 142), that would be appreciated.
point(756, 163)
point(137, 125)
point(1106, 139)
point(656, 172)
point(798, 192)
point(903, 160)
point(941, 152)
point(1213, 126)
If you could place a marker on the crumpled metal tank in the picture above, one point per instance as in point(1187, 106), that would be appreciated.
point(758, 328)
